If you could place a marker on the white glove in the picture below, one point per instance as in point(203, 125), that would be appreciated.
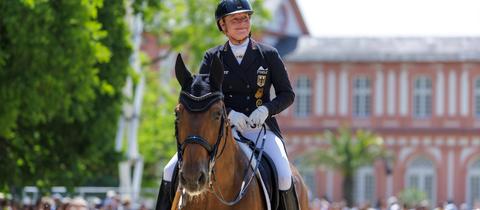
point(239, 120)
point(258, 117)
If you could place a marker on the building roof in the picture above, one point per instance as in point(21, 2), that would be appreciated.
point(386, 49)
point(273, 5)
point(286, 44)
point(287, 18)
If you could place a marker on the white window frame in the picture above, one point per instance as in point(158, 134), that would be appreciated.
point(422, 168)
point(472, 172)
point(303, 93)
point(422, 97)
point(362, 97)
point(476, 97)
point(362, 190)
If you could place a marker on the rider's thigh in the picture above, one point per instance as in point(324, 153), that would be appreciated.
point(276, 151)
point(170, 168)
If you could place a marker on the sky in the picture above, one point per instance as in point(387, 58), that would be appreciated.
point(391, 17)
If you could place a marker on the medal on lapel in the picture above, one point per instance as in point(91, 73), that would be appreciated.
point(261, 76)
point(261, 79)
point(258, 96)
point(259, 93)
point(259, 102)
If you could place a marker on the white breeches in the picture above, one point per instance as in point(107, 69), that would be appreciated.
point(273, 147)
point(170, 168)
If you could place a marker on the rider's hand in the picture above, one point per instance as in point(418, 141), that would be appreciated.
point(258, 117)
point(239, 120)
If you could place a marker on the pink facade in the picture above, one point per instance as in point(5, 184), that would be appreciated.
point(424, 104)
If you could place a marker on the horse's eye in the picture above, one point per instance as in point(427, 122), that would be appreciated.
point(217, 115)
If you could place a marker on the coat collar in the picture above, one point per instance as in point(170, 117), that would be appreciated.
point(251, 43)
point(249, 57)
point(249, 54)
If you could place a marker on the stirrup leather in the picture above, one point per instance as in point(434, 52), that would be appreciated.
point(289, 199)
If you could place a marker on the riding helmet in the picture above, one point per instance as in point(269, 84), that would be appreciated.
point(229, 7)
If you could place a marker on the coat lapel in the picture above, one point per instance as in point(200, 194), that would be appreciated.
point(232, 63)
point(249, 56)
point(230, 58)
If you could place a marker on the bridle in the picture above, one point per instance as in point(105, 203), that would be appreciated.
point(196, 139)
point(191, 103)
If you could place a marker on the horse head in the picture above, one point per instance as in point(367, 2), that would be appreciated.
point(200, 125)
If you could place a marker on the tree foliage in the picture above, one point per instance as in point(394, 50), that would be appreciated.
point(346, 153)
point(412, 197)
point(62, 67)
point(156, 134)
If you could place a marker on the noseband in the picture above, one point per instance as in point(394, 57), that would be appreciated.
point(201, 104)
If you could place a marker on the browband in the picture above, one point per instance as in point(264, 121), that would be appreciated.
point(199, 103)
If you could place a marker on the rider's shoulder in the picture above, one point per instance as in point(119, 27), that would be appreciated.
point(265, 46)
point(214, 50)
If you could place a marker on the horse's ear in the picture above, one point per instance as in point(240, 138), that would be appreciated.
point(216, 74)
point(181, 72)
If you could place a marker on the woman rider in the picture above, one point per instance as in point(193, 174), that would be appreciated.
point(251, 68)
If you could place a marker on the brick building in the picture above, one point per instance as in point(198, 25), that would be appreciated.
point(421, 95)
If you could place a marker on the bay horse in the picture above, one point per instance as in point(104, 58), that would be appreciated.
point(212, 167)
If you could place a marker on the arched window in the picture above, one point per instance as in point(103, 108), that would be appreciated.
point(422, 97)
point(364, 186)
point(421, 176)
point(473, 183)
point(304, 97)
point(477, 97)
point(362, 97)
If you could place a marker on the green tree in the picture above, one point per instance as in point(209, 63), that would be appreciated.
point(62, 67)
point(346, 153)
point(188, 27)
point(412, 197)
point(157, 135)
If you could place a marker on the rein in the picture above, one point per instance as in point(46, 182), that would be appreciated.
point(245, 184)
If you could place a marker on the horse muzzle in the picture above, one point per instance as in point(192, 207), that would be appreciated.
point(194, 182)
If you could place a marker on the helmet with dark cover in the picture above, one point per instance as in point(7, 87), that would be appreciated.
point(229, 7)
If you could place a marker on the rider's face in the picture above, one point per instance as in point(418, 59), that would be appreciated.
point(237, 26)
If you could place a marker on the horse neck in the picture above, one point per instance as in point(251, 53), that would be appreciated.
point(230, 167)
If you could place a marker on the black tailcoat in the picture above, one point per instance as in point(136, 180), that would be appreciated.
point(240, 80)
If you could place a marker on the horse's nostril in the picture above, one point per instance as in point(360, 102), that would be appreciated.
point(182, 178)
point(202, 179)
